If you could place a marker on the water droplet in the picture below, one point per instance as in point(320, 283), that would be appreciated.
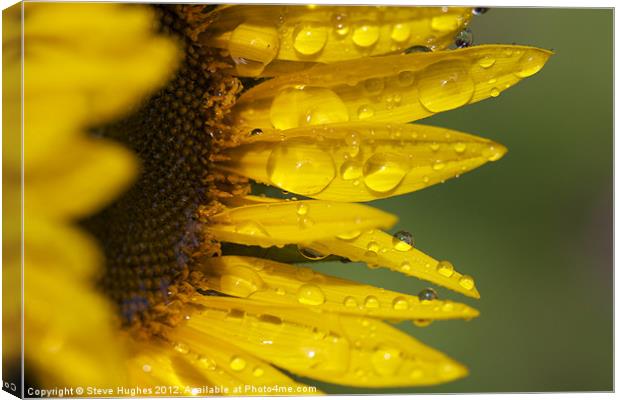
point(422, 323)
point(371, 302)
point(365, 112)
point(446, 22)
point(299, 167)
point(280, 291)
point(530, 63)
point(492, 81)
point(400, 303)
point(434, 146)
point(243, 283)
point(418, 49)
point(181, 347)
point(438, 165)
point(467, 282)
point(405, 78)
point(445, 85)
point(237, 364)
point(340, 24)
point(465, 38)
point(310, 295)
point(258, 372)
point(302, 209)
point(298, 106)
point(459, 147)
point(147, 368)
point(374, 86)
point(366, 35)
point(350, 170)
point(479, 10)
point(448, 306)
point(493, 153)
point(386, 360)
point(401, 32)
point(445, 268)
point(405, 267)
point(251, 228)
point(373, 247)
point(206, 363)
point(350, 302)
point(304, 274)
point(486, 62)
point(256, 132)
point(427, 294)
point(309, 40)
point(402, 241)
point(384, 171)
point(494, 92)
point(349, 235)
point(311, 254)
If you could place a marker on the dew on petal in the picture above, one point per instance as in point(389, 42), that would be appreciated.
point(445, 85)
point(310, 295)
point(384, 171)
point(309, 40)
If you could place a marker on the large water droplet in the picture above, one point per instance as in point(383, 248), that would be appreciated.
point(384, 171)
point(465, 38)
point(405, 78)
point(386, 360)
point(238, 285)
point(486, 61)
point(310, 254)
point(374, 86)
point(365, 111)
point(427, 294)
point(530, 63)
point(299, 167)
point(445, 268)
point(401, 32)
point(310, 295)
point(350, 302)
point(304, 106)
point(402, 241)
point(445, 85)
point(366, 35)
point(309, 40)
point(237, 364)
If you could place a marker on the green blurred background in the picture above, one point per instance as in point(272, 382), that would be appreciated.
point(535, 228)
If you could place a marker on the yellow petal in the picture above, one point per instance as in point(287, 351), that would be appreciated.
point(325, 34)
point(346, 350)
point(68, 188)
point(287, 222)
point(279, 283)
point(380, 249)
point(224, 364)
point(359, 161)
point(400, 88)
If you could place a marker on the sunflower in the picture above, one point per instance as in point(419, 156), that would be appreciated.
point(154, 262)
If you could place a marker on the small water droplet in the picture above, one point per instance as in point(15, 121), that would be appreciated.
point(304, 274)
point(400, 304)
point(479, 10)
point(350, 170)
point(237, 364)
point(445, 85)
point(434, 146)
point(147, 368)
point(465, 38)
point(405, 78)
point(258, 372)
point(438, 165)
point(302, 209)
point(386, 360)
point(422, 323)
point(445, 268)
point(486, 61)
point(427, 294)
point(405, 267)
point(339, 21)
point(181, 347)
point(448, 306)
point(290, 165)
point(371, 302)
point(459, 147)
point(280, 291)
point(373, 247)
point(467, 282)
point(309, 40)
point(310, 295)
point(256, 132)
point(206, 363)
point(401, 32)
point(366, 34)
point(530, 63)
point(251, 228)
point(418, 49)
point(349, 235)
point(310, 254)
point(403, 241)
point(384, 171)
point(365, 111)
point(494, 92)
point(350, 302)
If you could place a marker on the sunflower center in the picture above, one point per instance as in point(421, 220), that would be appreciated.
point(153, 233)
